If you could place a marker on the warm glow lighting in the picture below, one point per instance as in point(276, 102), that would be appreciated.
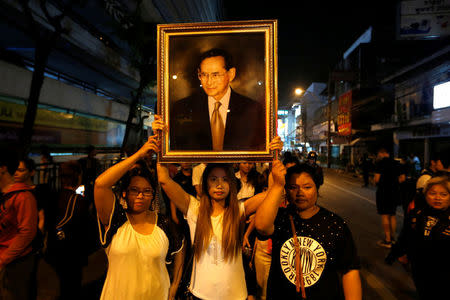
point(174, 76)
point(298, 91)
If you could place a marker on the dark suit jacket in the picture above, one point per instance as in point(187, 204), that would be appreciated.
point(190, 127)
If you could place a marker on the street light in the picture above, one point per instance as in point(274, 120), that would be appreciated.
point(298, 91)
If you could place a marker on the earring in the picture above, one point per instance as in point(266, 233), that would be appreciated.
point(124, 204)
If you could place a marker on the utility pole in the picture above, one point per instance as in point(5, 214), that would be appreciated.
point(329, 124)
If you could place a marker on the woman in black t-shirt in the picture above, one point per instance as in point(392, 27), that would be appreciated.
point(321, 245)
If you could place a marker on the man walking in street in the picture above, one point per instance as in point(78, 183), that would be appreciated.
point(387, 173)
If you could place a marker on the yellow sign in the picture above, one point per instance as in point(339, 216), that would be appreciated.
point(14, 112)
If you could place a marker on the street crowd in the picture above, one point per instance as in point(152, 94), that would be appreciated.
point(212, 230)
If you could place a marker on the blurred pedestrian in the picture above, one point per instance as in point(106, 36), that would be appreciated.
point(18, 223)
point(366, 165)
point(414, 161)
point(312, 161)
point(432, 169)
point(90, 167)
point(138, 241)
point(289, 159)
point(247, 180)
point(387, 173)
point(425, 241)
point(67, 224)
point(197, 173)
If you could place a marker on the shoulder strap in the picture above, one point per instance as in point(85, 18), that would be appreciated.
point(69, 211)
point(298, 271)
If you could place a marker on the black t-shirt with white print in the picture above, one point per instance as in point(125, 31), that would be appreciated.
point(327, 249)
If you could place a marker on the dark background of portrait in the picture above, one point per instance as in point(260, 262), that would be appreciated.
point(246, 49)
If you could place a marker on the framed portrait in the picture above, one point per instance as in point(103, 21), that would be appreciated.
point(217, 90)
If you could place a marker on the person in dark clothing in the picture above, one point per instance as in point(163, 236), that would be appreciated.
point(318, 172)
point(18, 227)
point(312, 248)
point(90, 167)
point(424, 241)
point(67, 225)
point(387, 173)
point(366, 165)
point(290, 159)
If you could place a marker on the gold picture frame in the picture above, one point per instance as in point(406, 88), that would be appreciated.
point(250, 114)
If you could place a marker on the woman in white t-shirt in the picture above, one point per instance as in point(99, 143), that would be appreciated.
point(216, 222)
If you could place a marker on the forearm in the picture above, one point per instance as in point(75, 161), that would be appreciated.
point(267, 211)
point(178, 269)
point(108, 178)
point(351, 283)
point(252, 204)
point(173, 190)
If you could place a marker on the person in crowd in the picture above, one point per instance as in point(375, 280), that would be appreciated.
point(387, 174)
point(197, 173)
point(428, 172)
point(25, 173)
point(313, 252)
point(260, 253)
point(138, 241)
point(184, 178)
point(90, 167)
point(18, 227)
point(290, 159)
point(216, 222)
point(248, 180)
point(366, 165)
point(424, 241)
point(407, 185)
point(312, 161)
point(247, 186)
point(416, 167)
point(441, 168)
point(46, 161)
point(67, 226)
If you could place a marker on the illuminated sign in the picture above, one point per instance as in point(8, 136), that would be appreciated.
point(344, 114)
point(441, 95)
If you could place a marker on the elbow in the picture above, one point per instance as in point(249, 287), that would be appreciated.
point(261, 226)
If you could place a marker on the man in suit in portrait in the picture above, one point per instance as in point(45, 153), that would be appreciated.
point(216, 117)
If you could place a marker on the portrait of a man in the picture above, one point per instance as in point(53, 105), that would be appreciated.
point(215, 117)
point(217, 91)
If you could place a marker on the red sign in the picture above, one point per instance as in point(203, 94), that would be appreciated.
point(344, 114)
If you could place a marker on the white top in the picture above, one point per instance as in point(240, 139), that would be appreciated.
point(247, 190)
point(212, 277)
point(197, 173)
point(422, 181)
point(136, 265)
point(223, 108)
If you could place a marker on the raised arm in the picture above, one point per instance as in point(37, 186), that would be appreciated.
point(267, 211)
point(103, 194)
point(254, 202)
point(174, 191)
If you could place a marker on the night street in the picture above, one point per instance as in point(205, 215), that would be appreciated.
point(341, 193)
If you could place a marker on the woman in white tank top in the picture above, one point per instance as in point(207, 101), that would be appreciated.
point(138, 242)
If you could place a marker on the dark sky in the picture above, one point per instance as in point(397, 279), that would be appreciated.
point(312, 35)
